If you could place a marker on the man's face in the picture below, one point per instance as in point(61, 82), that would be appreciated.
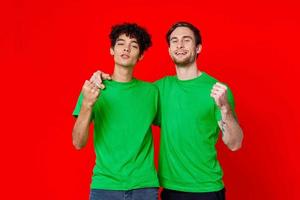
point(126, 51)
point(182, 49)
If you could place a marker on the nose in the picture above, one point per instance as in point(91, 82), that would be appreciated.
point(180, 44)
point(127, 48)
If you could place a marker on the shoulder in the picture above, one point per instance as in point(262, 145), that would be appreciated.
point(209, 79)
point(214, 80)
point(161, 82)
point(147, 85)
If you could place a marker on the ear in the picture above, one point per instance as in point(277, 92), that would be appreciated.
point(169, 49)
point(198, 48)
point(112, 52)
point(141, 57)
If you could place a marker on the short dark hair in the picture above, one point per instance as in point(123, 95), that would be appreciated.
point(195, 30)
point(133, 31)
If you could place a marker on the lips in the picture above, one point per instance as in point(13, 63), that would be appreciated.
point(180, 53)
point(124, 56)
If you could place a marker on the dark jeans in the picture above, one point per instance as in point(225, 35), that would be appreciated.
point(177, 195)
point(136, 194)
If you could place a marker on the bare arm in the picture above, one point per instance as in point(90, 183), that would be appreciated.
point(232, 132)
point(91, 91)
point(81, 127)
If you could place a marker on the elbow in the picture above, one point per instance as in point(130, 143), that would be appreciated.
point(232, 146)
point(236, 143)
point(77, 145)
point(235, 147)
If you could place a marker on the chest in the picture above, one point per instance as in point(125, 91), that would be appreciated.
point(188, 102)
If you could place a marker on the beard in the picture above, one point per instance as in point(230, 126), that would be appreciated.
point(185, 61)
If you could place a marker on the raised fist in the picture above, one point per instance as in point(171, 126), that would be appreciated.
point(219, 93)
point(90, 93)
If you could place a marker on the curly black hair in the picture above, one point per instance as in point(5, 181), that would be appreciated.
point(133, 31)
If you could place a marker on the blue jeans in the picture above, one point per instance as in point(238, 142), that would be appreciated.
point(136, 194)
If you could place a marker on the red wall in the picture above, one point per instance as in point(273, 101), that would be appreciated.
point(51, 47)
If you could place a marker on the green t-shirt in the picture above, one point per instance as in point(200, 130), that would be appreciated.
point(123, 142)
point(188, 118)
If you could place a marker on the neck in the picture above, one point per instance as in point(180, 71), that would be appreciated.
point(187, 72)
point(122, 74)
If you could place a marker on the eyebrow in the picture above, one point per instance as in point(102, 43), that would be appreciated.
point(122, 40)
point(186, 36)
point(119, 39)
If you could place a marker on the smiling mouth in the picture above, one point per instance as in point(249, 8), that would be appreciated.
point(180, 53)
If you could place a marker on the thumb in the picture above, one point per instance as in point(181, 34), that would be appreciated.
point(106, 76)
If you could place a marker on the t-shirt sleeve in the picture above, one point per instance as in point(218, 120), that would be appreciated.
point(231, 102)
point(157, 119)
point(78, 106)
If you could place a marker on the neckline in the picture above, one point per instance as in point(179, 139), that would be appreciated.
point(121, 84)
point(190, 80)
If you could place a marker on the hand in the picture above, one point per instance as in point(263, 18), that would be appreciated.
point(98, 77)
point(219, 93)
point(90, 94)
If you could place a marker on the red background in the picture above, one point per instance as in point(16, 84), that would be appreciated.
point(49, 48)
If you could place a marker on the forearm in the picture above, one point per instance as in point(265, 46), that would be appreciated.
point(232, 132)
point(81, 128)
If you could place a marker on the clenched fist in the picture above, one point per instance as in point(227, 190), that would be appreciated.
point(90, 94)
point(219, 93)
